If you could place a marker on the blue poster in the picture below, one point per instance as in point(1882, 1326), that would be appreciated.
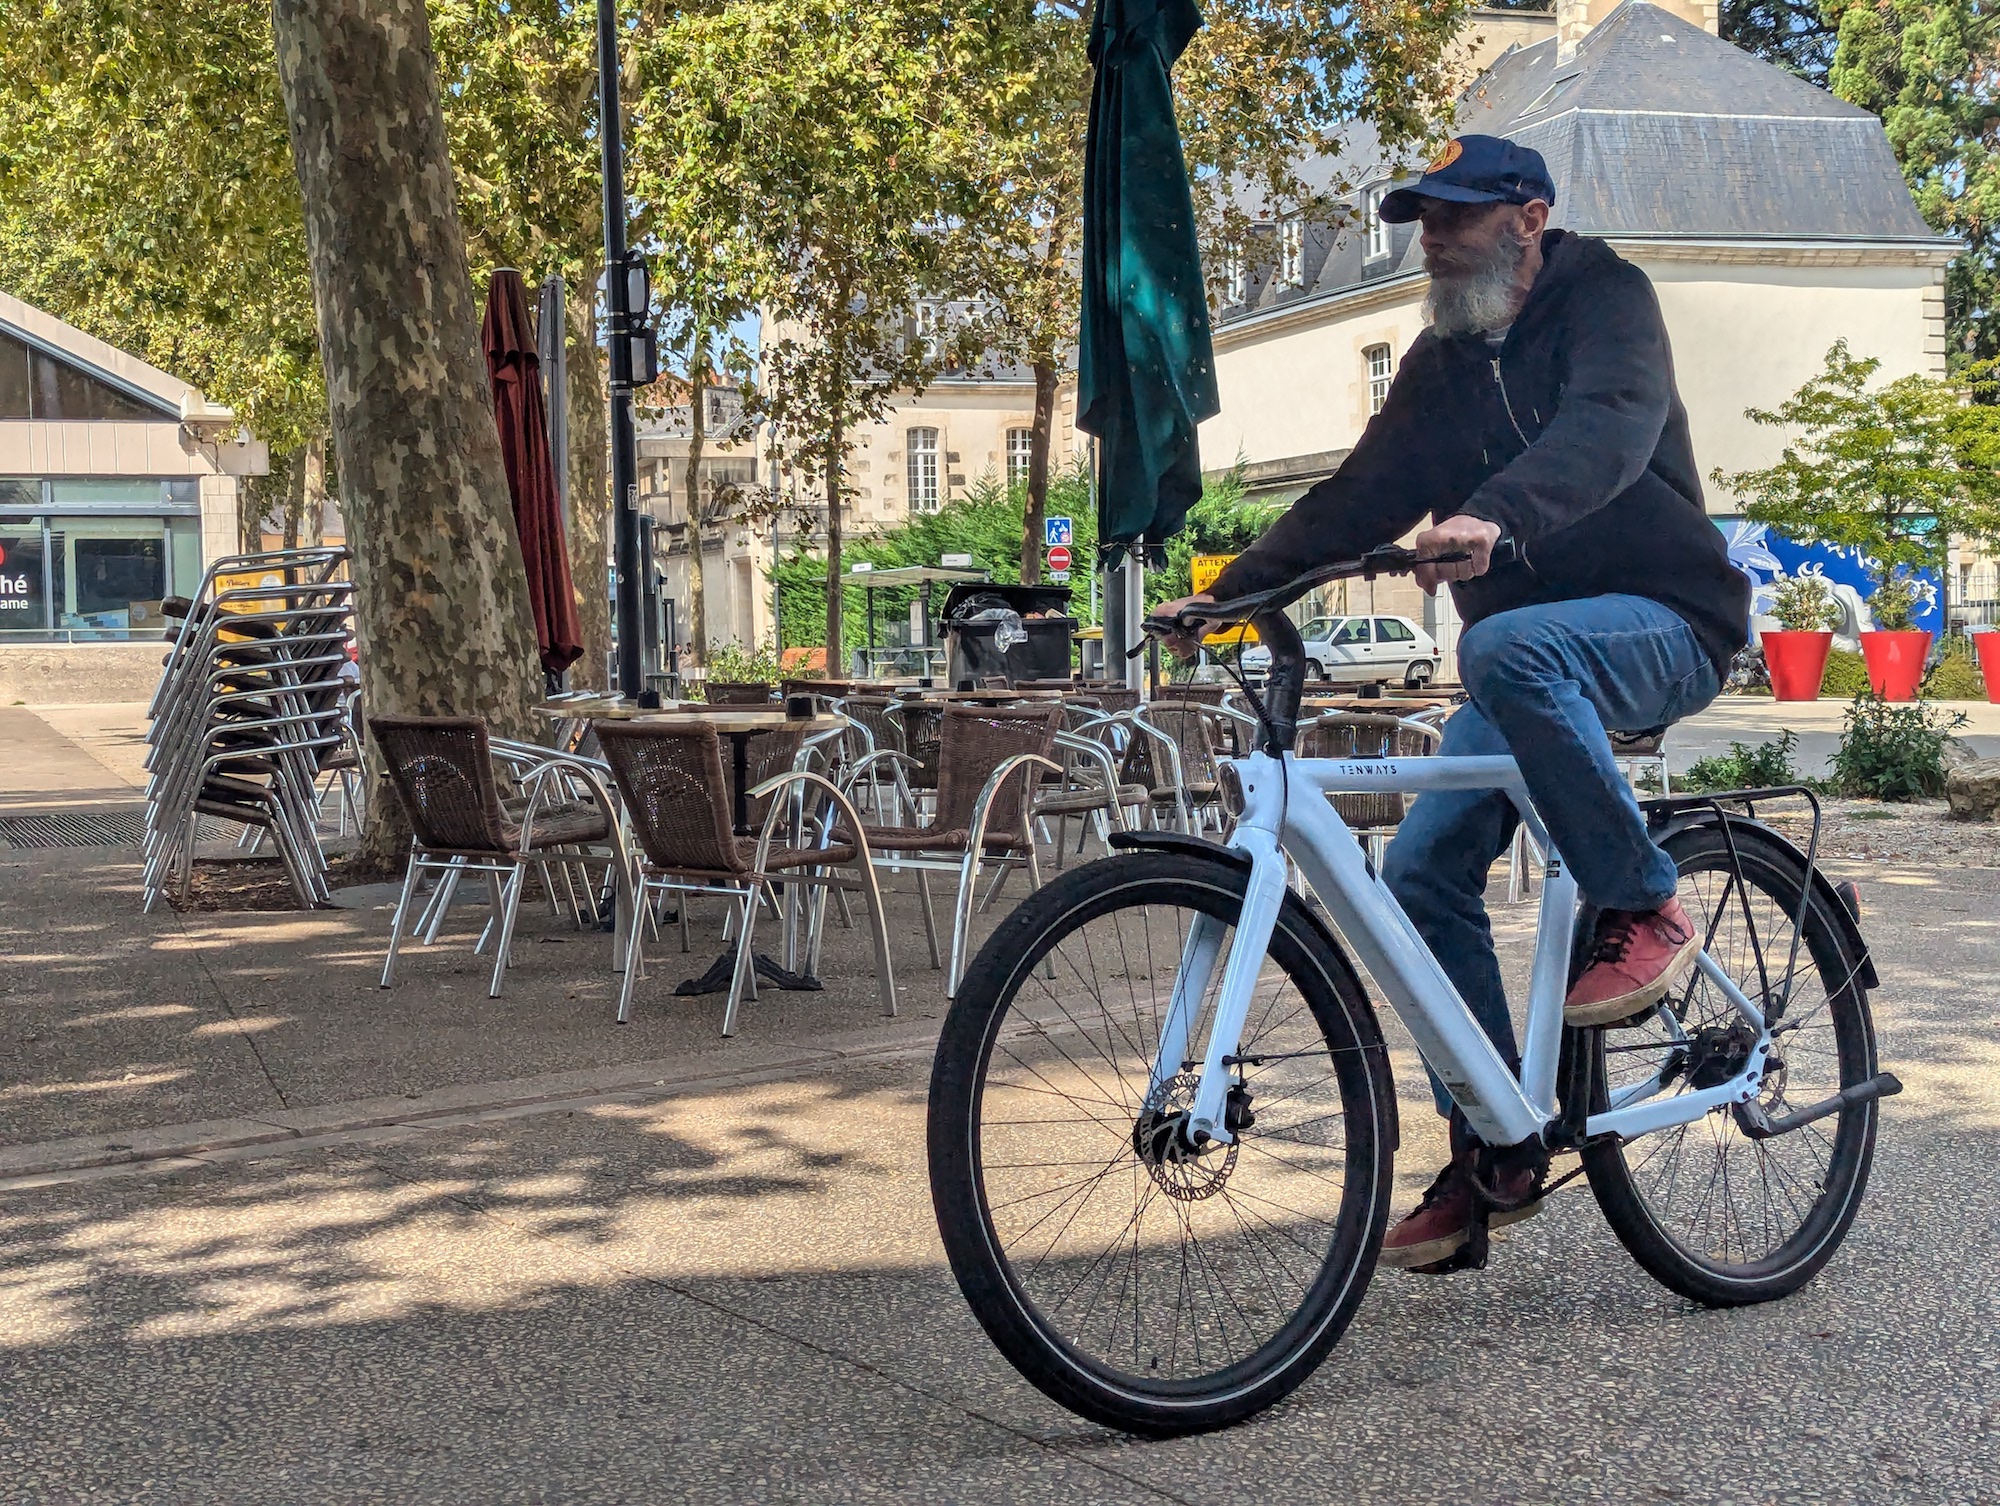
point(1762, 555)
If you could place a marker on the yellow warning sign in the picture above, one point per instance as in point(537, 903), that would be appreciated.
point(1202, 571)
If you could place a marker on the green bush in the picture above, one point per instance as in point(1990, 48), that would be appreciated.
point(1955, 676)
point(1802, 603)
point(733, 664)
point(1846, 676)
point(1892, 751)
point(1743, 768)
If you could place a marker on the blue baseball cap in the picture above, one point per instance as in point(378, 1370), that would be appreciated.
point(1475, 170)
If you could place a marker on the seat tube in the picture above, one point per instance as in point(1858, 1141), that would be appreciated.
point(1554, 932)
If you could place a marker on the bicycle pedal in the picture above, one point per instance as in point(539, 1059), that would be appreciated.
point(1464, 1258)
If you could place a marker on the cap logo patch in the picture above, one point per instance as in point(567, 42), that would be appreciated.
point(1453, 150)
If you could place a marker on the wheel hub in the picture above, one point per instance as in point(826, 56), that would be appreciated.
point(1716, 1053)
point(1186, 1167)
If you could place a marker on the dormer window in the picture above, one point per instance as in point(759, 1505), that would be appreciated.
point(1292, 252)
point(1373, 226)
point(1235, 278)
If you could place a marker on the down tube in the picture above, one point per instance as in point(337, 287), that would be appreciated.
point(1367, 915)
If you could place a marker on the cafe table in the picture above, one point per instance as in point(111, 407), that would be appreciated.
point(737, 724)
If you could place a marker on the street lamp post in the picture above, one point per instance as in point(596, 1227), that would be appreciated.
point(618, 310)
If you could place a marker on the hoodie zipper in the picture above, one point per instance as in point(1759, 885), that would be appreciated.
point(1520, 550)
point(1500, 382)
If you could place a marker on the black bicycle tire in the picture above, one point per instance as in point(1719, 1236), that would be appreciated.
point(1625, 1208)
point(1344, 1016)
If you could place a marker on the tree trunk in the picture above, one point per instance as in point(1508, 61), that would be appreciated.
point(295, 496)
point(1039, 437)
point(833, 458)
point(589, 483)
point(697, 587)
point(312, 524)
point(441, 593)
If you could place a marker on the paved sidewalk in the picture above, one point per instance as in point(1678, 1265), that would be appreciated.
point(732, 1291)
point(271, 1234)
point(71, 757)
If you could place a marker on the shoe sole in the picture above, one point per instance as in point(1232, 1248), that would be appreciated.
point(1402, 1257)
point(1623, 1007)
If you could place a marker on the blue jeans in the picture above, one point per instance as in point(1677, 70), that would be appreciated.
point(1546, 682)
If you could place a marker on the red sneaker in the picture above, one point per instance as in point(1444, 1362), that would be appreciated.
point(1637, 958)
point(1434, 1230)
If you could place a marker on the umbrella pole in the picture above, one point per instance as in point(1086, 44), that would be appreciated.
point(871, 632)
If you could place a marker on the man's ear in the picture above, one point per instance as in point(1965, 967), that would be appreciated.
point(1534, 218)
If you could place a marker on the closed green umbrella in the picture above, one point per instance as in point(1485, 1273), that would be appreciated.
point(1146, 370)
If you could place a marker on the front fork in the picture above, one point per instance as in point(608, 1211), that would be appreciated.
point(1262, 900)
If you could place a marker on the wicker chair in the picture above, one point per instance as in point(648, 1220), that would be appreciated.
point(1092, 744)
point(1174, 758)
point(1350, 734)
point(987, 759)
point(668, 775)
point(737, 693)
point(442, 769)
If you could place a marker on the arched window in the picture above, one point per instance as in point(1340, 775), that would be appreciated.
point(1020, 449)
point(1377, 357)
point(923, 469)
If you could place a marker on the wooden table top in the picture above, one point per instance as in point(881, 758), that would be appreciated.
point(722, 718)
point(919, 694)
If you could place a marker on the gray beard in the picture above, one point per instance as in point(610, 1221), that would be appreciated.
point(1474, 301)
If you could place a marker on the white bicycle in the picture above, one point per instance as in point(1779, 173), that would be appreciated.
point(1161, 1116)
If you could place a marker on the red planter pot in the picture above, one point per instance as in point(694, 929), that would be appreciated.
point(1895, 662)
point(1797, 662)
point(1989, 662)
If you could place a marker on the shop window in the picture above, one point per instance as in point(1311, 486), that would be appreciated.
point(24, 600)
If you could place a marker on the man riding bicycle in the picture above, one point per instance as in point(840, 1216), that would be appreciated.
point(1539, 407)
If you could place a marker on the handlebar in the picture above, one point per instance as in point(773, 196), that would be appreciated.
point(1264, 611)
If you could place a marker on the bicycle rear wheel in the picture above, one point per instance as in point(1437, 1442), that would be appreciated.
point(1141, 1285)
point(1710, 1212)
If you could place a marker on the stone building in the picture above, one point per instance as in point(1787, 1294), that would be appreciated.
point(1771, 217)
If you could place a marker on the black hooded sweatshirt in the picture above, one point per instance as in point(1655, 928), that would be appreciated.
point(1572, 438)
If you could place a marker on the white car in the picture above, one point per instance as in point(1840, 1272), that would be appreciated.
point(1361, 651)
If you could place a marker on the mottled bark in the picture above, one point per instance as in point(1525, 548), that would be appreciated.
point(1046, 378)
point(589, 483)
point(697, 431)
point(312, 522)
point(441, 594)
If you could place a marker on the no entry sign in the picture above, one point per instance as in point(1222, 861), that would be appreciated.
point(1058, 557)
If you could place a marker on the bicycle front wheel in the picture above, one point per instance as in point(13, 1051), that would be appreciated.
point(1140, 1283)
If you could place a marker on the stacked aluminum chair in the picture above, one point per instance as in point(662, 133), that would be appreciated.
point(250, 712)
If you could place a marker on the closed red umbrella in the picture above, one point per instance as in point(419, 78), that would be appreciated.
point(522, 417)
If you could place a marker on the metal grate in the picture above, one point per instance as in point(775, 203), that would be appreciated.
point(117, 827)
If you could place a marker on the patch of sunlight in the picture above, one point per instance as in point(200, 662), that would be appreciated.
point(136, 1012)
point(129, 1081)
point(248, 1024)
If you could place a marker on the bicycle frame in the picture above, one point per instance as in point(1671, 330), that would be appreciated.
point(1287, 815)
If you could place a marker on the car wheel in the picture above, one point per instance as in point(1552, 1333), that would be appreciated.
point(1316, 671)
point(1418, 675)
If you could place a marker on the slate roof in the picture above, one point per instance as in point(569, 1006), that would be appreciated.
point(1654, 128)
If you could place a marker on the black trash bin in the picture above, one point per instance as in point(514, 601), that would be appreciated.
point(972, 617)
